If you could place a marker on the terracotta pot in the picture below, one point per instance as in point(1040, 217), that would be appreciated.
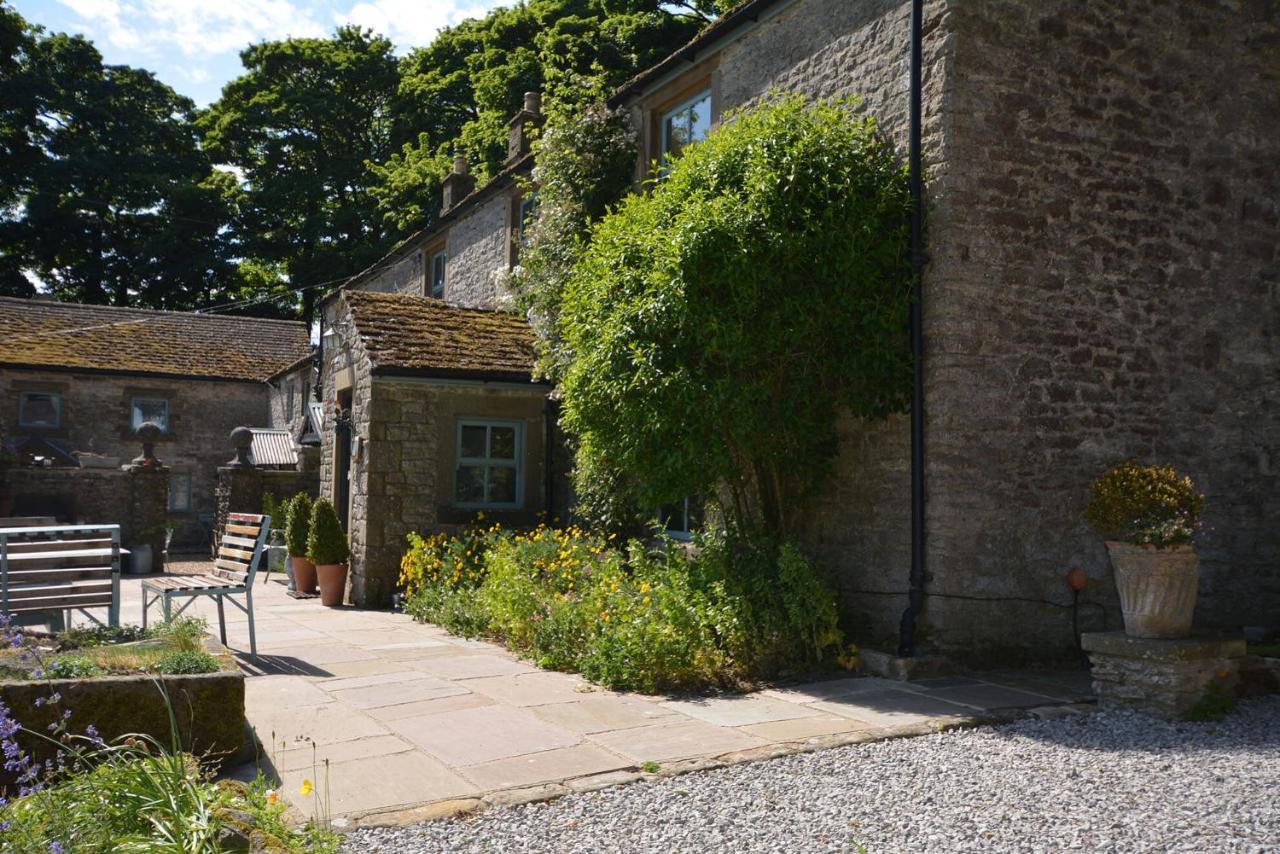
point(304, 575)
point(1157, 588)
point(333, 583)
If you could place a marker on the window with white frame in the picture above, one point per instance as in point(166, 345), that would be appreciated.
point(438, 264)
point(680, 518)
point(179, 492)
point(153, 409)
point(40, 410)
point(489, 469)
point(685, 124)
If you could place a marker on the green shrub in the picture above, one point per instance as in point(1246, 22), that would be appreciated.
point(85, 637)
point(632, 618)
point(1148, 505)
point(712, 330)
point(72, 667)
point(326, 543)
point(298, 524)
point(187, 661)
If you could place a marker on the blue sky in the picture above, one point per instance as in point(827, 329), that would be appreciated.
point(194, 45)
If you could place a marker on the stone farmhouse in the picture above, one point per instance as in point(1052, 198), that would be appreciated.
point(78, 380)
point(1101, 283)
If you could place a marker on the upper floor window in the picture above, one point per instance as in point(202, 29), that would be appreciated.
point(437, 274)
point(527, 210)
point(40, 410)
point(685, 124)
point(288, 407)
point(153, 409)
point(489, 469)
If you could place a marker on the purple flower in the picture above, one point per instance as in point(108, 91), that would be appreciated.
point(55, 848)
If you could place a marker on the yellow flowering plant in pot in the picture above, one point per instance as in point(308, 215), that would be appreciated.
point(327, 547)
point(1148, 517)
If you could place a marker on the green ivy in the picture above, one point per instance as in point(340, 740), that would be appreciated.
point(710, 331)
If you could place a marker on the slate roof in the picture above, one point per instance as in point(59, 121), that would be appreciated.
point(420, 336)
point(39, 333)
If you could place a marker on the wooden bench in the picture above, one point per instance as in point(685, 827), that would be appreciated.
point(233, 572)
point(61, 568)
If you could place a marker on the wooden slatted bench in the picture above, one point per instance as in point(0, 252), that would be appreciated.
point(61, 568)
point(233, 572)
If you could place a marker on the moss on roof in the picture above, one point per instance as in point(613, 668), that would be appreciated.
point(418, 335)
point(45, 333)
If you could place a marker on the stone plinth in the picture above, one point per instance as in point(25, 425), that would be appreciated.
point(1165, 677)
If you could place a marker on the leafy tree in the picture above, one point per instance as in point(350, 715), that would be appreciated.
point(716, 326)
point(106, 196)
point(303, 125)
point(460, 91)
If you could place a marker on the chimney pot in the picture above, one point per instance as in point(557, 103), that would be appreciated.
point(532, 103)
point(459, 164)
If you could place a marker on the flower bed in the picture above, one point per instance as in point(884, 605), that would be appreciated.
point(718, 614)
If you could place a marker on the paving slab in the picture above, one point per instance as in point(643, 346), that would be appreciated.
point(829, 689)
point(892, 707)
point(303, 758)
point(475, 666)
point(321, 724)
point(474, 736)
point(321, 654)
point(283, 692)
point(739, 709)
point(422, 708)
point(802, 729)
point(391, 677)
point(984, 696)
point(665, 741)
point(375, 783)
point(545, 767)
point(398, 693)
point(533, 689)
point(603, 713)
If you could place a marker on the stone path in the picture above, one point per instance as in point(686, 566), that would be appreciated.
point(415, 722)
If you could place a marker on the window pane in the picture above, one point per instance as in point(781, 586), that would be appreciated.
point(38, 409)
point(687, 124)
point(502, 443)
point(470, 487)
point(153, 410)
point(473, 438)
point(502, 485)
point(437, 274)
point(672, 517)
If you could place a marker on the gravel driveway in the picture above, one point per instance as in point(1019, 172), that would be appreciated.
point(1111, 781)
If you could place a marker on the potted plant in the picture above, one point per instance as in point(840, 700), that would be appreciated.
point(297, 530)
point(327, 548)
point(1147, 516)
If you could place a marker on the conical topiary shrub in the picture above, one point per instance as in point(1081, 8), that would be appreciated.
point(297, 530)
point(327, 548)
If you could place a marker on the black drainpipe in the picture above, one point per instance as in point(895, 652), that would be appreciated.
point(915, 596)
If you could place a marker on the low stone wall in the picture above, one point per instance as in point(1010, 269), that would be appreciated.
point(134, 497)
point(1166, 677)
point(240, 490)
point(208, 707)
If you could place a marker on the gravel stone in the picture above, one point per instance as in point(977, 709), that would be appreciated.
point(1115, 781)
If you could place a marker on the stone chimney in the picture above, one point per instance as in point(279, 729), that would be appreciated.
point(518, 139)
point(457, 184)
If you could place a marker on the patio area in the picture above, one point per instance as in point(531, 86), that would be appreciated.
point(416, 723)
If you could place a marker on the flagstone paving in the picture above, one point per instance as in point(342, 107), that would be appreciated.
point(388, 716)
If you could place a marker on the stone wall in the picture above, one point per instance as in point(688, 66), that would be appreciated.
point(293, 387)
point(96, 413)
point(402, 275)
point(133, 497)
point(241, 490)
point(479, 252)
point(1103, 287)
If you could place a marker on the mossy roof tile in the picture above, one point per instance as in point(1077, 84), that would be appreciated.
point(45, 333)
point(410, 334)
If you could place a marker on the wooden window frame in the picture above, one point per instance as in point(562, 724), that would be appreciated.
point(489, 462)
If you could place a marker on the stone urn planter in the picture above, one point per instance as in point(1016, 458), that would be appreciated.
point(1157, 588)
point(333, 583)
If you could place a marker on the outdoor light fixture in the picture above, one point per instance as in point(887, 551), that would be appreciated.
point(1077, 580)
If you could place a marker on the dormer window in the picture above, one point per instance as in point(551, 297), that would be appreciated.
point(685, 124)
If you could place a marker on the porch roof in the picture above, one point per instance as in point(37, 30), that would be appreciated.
point(408, 335)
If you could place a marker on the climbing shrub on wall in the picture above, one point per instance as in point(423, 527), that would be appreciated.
point(709, 331)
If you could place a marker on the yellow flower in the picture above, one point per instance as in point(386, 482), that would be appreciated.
point(307, 788)
point(645, 600)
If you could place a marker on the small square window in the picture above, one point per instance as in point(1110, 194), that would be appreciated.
point(438, 264)
point(40, 410)
point(681, 518)
point(489, 469)
point(153, 409)
point(180, 492)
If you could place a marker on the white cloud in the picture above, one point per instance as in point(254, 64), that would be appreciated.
point(411, 23)
point(196, 29)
